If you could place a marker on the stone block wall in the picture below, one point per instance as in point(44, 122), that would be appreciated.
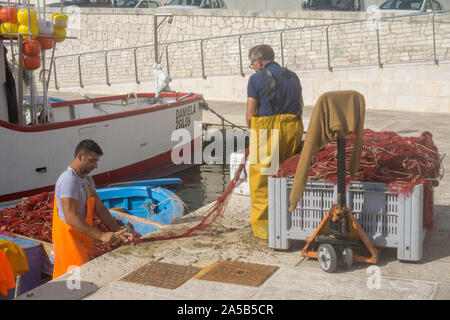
point(307, 42)
point(355, 52)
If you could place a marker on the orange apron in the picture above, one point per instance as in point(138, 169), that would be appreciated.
point(6, 274)
point(71, 248)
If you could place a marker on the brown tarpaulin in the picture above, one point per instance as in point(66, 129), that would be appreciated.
point(336, 114)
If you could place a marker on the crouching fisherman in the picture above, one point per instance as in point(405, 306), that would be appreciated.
point(75, 203)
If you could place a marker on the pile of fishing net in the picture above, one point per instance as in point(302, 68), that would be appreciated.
point(32, 217)
point(400, 162)
point(212, 215)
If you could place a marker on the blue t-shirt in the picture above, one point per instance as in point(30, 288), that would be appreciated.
point(286, 97)
point(70, 185)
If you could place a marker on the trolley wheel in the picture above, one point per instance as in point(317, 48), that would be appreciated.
point(327, 257)
point(346, 260)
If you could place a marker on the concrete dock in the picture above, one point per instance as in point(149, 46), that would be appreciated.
point(296, 278)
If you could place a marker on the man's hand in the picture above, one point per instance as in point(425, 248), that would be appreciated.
point(115, 237)
point(106, 237)
point(252, 110)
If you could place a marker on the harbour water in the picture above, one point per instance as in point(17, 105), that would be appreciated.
point(202, 184)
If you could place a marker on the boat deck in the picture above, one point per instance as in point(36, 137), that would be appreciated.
point(296, 277)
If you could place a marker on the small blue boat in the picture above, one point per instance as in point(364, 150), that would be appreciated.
point(144, 204)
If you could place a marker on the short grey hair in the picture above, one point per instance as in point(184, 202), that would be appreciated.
point(262, 52)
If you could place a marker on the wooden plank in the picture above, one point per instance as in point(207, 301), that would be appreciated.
point(48, 247)
point(132, 218)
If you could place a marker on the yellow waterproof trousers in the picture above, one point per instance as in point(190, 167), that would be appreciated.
point(273, 139)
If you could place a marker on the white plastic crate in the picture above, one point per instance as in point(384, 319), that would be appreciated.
point(235, 161)
point(394, 221)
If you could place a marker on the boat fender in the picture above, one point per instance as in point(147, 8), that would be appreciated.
point(60, 33)
point(59, 20)
point(45, 27)
point(22, 17)
point(9, 27)
point(24, 29)
point(8, 14)
point(31, 63)
point(31, 48)
point(46, 42)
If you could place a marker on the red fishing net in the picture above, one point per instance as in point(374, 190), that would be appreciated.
point(33, 216)
point(400, 162)
point(212, 214)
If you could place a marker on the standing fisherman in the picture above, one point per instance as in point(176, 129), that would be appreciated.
point(274, 110)
point(75, 203)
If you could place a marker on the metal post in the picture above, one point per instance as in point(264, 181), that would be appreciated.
point(20, 82)
point(240, 57)
point(378, 46)
point(155, 37)
point(434, 42)
point(44, 89)
point(136, 66)
point(79, 71)
point(167, 61)
point(106, 69)
point(18, 286)
point(52, 62)
point(341, 172)
point(203, 61)
point(282, 49)
point(54, 71)
point(328, 51)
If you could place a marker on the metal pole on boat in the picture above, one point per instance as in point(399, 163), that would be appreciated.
point(11, 44)
point(155, 43)
point(30, 73)
point(44, 80)
point(20, 82)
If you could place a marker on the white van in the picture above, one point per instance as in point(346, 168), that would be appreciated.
point(414, 6)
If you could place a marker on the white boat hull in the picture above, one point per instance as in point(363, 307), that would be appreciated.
point(133, 141)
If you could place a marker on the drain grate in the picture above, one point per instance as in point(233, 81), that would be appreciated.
point(162, 275)
point(236, 272)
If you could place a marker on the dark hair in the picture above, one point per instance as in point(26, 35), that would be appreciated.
point(88, 145)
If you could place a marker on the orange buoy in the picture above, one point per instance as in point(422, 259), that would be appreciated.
point(46, 43)
point(31, 48)
point(31, 63)
point(8, 14)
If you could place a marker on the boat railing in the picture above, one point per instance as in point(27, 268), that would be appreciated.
point(401, 39)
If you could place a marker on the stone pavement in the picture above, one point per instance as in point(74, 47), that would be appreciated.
point(297, 277)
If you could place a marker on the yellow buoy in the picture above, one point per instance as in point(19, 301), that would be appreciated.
point(25, 30)
point(22, 16)
point(9, 27)
point(60, 20)
point(59, 33)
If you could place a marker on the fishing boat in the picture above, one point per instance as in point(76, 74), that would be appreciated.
point(144, 205)
point(134, 130)
point(135, 138)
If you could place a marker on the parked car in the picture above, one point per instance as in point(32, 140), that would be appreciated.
point(200, 4)
point(109, 3)
point(414, 6)
point(334, 5)
point(136, 4)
